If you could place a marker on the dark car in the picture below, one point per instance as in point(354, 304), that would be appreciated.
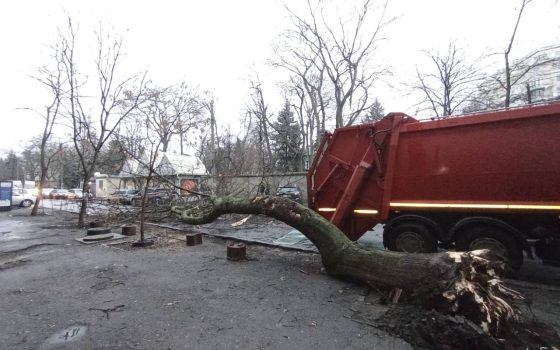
point(124, 196)
point(59, 193)
point(153, 196)
point(290, 191)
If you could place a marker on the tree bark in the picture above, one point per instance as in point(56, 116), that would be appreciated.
point(464, 283)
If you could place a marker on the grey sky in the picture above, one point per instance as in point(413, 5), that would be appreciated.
point(217, 44)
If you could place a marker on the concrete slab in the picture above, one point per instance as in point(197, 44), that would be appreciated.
point(115, 237)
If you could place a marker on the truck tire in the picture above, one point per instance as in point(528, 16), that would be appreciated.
point(410, 237)
point(493, 238)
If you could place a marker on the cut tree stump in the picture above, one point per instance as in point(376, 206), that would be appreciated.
point(93, 224)
point(236, 251)
point(191, 239)
point(128, 230)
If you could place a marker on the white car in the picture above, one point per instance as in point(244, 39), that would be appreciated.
point(22, 197)
point(77, 193)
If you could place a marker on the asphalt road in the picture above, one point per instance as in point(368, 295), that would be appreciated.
point(56, 293)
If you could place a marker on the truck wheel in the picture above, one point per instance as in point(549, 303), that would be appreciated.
point(495, 239)
point(410, 237)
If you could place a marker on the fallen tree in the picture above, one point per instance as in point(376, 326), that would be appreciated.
point(453, 283)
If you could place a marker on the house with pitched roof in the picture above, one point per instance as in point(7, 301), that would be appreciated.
point(184, 171)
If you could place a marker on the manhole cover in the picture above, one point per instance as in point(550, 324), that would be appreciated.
point(100, 237)
point(67, 335)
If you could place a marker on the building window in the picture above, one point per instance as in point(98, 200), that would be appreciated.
point(535, 83)
point(537, 94)
point(541, 58)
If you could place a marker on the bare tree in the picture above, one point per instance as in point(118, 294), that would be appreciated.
point(189, 106)
point(508, 83)
point(173, 110)
point(306, 84)
point(259, 110)
point(499, 89)
point(305, 113)
point(91, 134)
point(343, 52)
point(141, 141)
point(52, 79)
point(209, 144)
point(514, 72)
point(449, 84)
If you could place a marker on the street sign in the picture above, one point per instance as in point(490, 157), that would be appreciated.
point(5, 195)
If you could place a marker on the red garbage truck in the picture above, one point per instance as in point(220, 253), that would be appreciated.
point(487, 180)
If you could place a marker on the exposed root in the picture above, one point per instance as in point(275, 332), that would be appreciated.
point(475, 291)
point(430, 329)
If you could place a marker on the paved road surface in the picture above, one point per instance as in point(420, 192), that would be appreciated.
point(56, 293)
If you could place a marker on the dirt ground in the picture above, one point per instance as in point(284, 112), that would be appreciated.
point(56, 293)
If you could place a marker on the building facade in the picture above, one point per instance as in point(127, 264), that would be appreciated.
point(541, 83)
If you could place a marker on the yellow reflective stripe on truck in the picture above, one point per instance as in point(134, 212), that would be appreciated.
point(357, 211)
point(474, 206)
point(365, 211)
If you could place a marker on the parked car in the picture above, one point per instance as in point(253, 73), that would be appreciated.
point(154, 196)
point(46, 192)
point(59, 193)
point(124, 196)
point(22, 197)
point(76, 193)
point(291, 191)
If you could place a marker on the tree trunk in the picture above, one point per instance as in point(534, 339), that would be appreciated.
point(144, 203)
point(83, 207)
point(463, 283)
point(181, 141)
point(508, 81)
point(39, 192)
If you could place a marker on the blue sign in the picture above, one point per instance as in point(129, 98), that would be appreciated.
point(5, 195)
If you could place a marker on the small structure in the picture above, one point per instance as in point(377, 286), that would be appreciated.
point(105, 185)
point(183, 170)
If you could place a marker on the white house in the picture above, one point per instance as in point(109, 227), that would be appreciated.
point(183, 170)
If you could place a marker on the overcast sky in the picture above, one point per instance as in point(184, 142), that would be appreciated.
point(218, 44)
